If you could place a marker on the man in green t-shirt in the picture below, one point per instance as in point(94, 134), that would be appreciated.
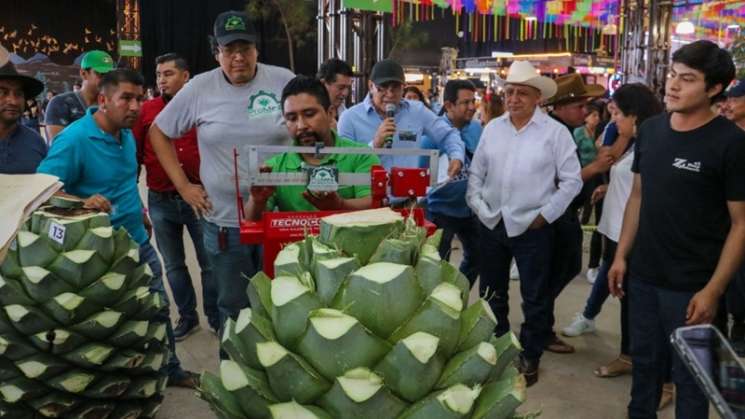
point(305, 104)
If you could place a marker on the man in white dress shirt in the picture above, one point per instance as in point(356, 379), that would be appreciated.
point(524, 175)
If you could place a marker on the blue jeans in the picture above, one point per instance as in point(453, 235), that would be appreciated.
point(172, 368)
point(532, 251)
point(233, 264)
point(566, 262)
point(467, 230)
point(170, 214)
point(600, 292)
point(654, 314)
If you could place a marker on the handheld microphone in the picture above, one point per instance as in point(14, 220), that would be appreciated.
point(390, 112)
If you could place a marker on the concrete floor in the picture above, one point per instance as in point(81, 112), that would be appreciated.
point(567, 388)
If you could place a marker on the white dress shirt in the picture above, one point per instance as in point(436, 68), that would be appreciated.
point(517, 175)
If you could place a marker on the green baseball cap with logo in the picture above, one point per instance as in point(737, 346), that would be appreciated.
point(233, 26)
point(99, 61)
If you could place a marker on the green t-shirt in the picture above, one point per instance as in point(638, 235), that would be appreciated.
point(585, 146)
point(290, 198)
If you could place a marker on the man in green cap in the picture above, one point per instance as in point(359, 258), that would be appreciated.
point(67, 108)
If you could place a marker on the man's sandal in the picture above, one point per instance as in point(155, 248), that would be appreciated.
point(668, 395)
point(617, 367)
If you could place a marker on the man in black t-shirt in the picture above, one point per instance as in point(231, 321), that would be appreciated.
point(684, 225)
point(67, 108)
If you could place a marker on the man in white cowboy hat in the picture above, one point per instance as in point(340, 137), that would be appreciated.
point(524, 174)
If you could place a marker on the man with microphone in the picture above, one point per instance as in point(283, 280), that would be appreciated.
point(384, 117)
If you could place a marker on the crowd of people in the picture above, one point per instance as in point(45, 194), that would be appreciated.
point(664, 182)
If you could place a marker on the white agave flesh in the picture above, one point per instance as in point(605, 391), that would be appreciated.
point(459, 398)
point(103, 232)
point(381, 272)
point(113, 281)
point(232, 376)
point(26, 238)
point(487, 352)
point(449, 295)
point(69, 301)
point(244, 320)
point(291, 410)
point(35, 273)
point(331, 324)
point(11, 393)
point(269, 353)
point(360, 384)
point(286, 289)
point(373, 217)
point(422, 346)
point(32, 369)
point(79, 256)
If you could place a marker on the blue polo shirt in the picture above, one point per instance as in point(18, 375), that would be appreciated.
point(413, 120)
point(90, 161)
point(21, 151)
point(450, 199)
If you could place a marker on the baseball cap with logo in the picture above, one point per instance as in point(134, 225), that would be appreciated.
point(233, 26)
point(99, 61)
point(737, 89)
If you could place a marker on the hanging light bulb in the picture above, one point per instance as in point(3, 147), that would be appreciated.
point(685, 28)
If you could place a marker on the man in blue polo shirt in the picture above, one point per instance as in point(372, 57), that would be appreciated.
point(95, 158)
point(446, 205)
point(370, 122)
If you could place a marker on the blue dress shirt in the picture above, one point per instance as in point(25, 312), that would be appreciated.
point(450, 199)
point(413, 120)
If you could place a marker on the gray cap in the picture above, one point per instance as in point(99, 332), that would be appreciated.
point(386, 71)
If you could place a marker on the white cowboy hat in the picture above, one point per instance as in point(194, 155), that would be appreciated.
point(522, 72)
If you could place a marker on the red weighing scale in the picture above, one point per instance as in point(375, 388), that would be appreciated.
point(276, 229)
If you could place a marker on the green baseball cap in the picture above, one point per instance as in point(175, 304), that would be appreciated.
point(100, 61)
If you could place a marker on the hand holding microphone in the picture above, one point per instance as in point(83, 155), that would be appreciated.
point(386, 131)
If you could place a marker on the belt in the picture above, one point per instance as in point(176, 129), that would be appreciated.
point(167, 194)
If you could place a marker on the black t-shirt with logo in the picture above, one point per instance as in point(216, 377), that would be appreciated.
point(687, 179)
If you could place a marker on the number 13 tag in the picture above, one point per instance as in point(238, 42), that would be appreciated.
point(57, 232)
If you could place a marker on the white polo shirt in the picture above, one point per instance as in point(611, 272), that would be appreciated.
point(517, 175)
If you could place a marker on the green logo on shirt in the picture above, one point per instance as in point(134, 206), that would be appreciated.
point(262, 104)
point(235, 23)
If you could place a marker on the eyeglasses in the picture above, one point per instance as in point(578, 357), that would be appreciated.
point(242, 50)
point(389, 87)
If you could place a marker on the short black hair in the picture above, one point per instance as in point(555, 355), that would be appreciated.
point(331, 67)
point(178, 61)
point(705, 56)
point(591, 107)
point(416, 91)
point(308, 85)
point(452, 87)
point(638, 100)
point(120, 75)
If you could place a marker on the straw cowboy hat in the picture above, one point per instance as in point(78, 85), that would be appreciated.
point(522, 72)
point(571, 87)
point(31, 86)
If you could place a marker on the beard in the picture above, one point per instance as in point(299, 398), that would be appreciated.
point(308, 139)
